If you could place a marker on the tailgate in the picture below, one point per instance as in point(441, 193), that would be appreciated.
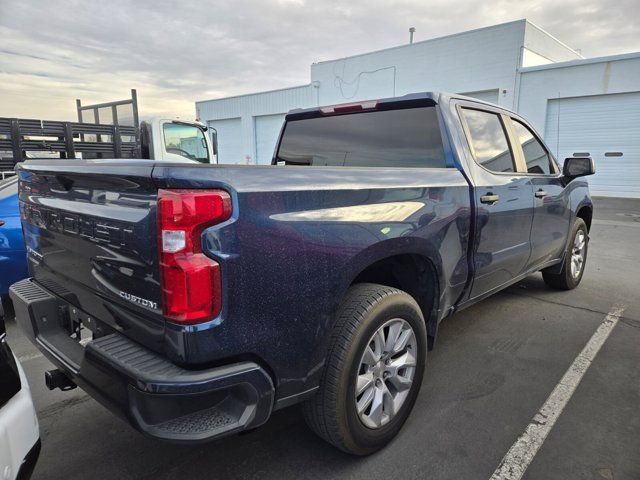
point(90, 234)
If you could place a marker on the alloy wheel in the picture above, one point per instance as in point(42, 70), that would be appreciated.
point(578, 253)
point(385, 373)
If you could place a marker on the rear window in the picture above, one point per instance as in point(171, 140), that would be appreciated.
point(392, 138)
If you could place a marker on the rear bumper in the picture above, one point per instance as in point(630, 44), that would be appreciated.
point(157, 397)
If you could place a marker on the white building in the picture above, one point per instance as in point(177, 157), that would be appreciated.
point(579, 105)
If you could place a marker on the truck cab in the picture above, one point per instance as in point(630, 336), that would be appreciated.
point(176, 140)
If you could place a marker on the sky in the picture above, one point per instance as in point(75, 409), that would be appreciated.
point(177, 52)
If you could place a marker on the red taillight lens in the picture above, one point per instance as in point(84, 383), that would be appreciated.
point(191, 281)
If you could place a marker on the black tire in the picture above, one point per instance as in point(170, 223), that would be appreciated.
point(7, 307)
point(564, 280)
point(332, 413)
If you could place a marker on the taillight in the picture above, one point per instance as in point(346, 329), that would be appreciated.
point(191, 281)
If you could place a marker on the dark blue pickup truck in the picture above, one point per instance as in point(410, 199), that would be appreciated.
point(194, 300)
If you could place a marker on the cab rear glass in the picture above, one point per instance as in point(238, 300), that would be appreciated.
point(408, 137)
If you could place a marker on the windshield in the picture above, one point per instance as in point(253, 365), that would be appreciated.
point(187, 141)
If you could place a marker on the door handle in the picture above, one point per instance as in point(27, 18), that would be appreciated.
point(540, 193)
point(489, 198)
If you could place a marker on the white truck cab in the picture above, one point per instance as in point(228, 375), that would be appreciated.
point(176, 140)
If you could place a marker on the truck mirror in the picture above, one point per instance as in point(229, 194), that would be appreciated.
point(214, 140)
point(578, 167)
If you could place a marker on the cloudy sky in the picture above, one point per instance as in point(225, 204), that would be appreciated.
point(176, 52)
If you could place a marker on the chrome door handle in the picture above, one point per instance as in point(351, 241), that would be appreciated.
point(540, 193)
point(489, 198)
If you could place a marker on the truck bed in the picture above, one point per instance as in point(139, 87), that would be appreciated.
point(296, 233)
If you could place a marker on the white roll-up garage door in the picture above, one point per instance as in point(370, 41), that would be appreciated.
point(606, 127)
point(267, 131)
point(228, 132)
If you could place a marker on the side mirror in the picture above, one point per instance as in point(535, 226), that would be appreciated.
point(214, 139)
point(578, 167)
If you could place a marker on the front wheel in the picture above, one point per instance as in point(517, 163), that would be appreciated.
point(574, 262)
point(373, 371)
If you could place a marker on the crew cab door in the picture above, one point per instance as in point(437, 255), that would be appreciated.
point(503, 197)
point(551, 212)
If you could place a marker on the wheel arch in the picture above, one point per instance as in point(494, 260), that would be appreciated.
point(413, 273)
point(585, 212)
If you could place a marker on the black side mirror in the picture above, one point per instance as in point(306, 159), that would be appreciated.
point(578, 167)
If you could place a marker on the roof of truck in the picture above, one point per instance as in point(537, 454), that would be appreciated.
point(414, 99)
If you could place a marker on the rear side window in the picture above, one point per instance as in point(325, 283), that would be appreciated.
point(534, 153)
point(392, 138)
point(488, 140)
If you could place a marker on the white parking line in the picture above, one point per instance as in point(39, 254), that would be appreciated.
point(521, 454)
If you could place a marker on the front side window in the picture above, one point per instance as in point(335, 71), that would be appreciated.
point(488, 140)
point(534, 153)
point(407, 137)
point(187, 141)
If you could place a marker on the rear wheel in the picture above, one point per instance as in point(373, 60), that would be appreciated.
point(373, 372)
point(574, 262)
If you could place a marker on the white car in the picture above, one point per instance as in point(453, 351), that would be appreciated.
point(19, 432)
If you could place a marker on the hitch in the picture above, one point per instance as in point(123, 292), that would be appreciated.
point(58, 379)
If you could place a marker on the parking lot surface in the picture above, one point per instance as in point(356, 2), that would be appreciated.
point(494, 366)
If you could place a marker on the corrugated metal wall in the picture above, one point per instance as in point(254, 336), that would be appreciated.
point(590, 106)
point(247, 109)
point(477, 60)
point(228, 134)
point(267, 130)
point(607, 128)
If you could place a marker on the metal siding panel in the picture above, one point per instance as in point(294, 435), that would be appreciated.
point(469, 61)
point(256, 104)
point(267, 131)
point(229, 140)
point(599, 124)
point(574, 80)
point(246, 107)
point(547, 46)
point(486, 95)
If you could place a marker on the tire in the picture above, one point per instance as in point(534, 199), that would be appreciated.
point(6, 307)
point(332, 413)
point(569, 277)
